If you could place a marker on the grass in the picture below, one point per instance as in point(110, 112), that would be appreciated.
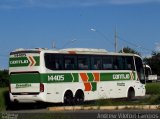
point(116, 102)
point(4, 98)
point(153, 88)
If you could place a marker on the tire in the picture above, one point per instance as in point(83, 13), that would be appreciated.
point(131, 94)
point(68, 98)
point(79, 97)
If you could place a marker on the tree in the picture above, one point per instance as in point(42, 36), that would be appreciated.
point(154, 62)
point(129, 50)
point(4, 78)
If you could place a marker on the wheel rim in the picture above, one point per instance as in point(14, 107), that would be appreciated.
point(68, 98)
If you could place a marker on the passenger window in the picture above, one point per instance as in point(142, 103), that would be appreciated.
point(83, 62)
point(129, 63)
point(108, 63)
point(70, 62)
point(96, 63)
point(53, 61)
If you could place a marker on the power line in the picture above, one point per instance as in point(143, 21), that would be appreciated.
point(103, 35)
point(120, 38)
point(133, 44)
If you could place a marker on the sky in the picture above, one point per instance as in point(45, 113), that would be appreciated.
point(79, 24)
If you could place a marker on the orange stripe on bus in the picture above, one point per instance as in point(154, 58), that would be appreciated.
point(32, 61)
point(71, 52)
point(84, 77)
point(96, 76)
point(131, 76)
point(88, 86)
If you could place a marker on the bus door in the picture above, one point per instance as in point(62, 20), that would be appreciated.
point(140, 69)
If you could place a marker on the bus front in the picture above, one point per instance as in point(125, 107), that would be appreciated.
point(24, 71)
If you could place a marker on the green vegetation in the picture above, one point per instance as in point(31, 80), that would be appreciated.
point(153, 88)
point(4, 98)
point(4, 78)
point(129, 50)
point(4, 95)
point(154, 62)
point(112, 102)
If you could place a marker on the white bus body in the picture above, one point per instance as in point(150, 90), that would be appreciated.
point(74, 75)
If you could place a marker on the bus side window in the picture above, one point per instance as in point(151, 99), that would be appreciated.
point(80, 65)
point(70, 62)
point(129, 63)
point(83, 63)
point(107, 66)
point(96, 63)
point(69, 65)
point(129, 66)
point(52, 61)
point(107, 62)
point(115, 63)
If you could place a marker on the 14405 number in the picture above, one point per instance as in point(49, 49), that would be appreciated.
point(55, 77)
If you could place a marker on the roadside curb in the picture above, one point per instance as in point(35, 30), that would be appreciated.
point(74, 108)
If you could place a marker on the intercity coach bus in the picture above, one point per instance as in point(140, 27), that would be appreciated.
point(74, 75)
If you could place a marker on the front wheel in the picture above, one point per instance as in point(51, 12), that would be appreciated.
point(131, 94)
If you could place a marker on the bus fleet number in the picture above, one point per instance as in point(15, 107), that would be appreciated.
point(56, 78)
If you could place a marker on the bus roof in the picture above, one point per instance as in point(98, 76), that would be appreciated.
point(73, 51)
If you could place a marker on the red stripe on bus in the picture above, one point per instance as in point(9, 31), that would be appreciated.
point(71, 52)
point(96, 76)
point(84, 77)
point(88, 86)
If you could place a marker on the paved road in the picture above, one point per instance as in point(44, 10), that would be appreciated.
point(83, 114)
point(43, 106)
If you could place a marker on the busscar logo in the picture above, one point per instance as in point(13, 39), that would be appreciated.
point(9, 116)
point(23, 85)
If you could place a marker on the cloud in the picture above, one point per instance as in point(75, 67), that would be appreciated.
point(157, 48)
point(12, 4)
point(124, 2)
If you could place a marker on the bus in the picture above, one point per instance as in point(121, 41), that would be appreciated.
point(150, 77)
point(74, 75)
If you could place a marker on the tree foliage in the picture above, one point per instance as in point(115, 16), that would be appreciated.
point(4, 78)
point(129, 50)
point(154, 62)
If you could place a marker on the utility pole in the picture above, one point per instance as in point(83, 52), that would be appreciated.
point(53, 45)
point(116, 40)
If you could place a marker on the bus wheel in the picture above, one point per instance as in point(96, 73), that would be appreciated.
point(131, 94)
point(68, 98)
point(79, 97)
